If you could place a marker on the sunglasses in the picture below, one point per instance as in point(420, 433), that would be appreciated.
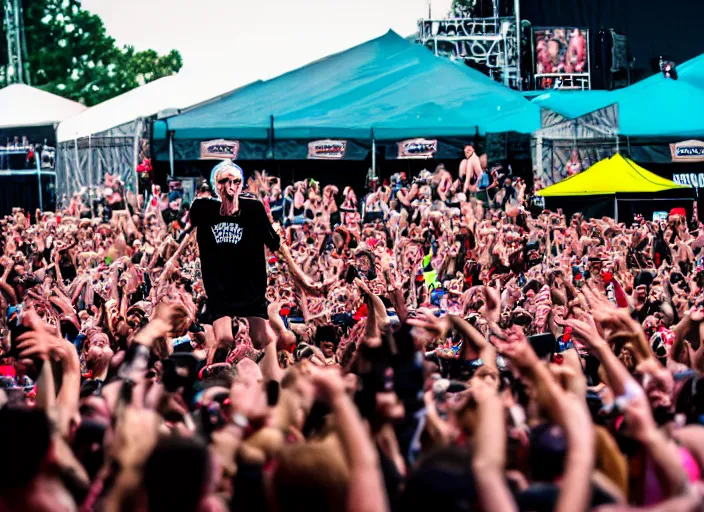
point(235, 181)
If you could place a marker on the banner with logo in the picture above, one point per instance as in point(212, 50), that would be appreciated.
point(220, 149)
point(687, 151)
point(694, 180)
point(417, 148)
point(327, 149)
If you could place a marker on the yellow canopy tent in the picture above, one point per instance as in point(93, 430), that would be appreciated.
point(615, 175)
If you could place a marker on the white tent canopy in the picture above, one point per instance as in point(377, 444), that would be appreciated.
point(22, 105)
point(113, 136)
point(176, 91)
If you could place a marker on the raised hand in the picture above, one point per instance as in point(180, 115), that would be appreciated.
point(516, 347)
point(425, 319)
point(328, 382)
point(248, 398)
point(493, 303)
point(639, 417)
point(175, 316)
point(40, 341)
point(585, 329)
point(135, 436)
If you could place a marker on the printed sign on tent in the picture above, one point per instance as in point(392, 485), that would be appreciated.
point(417, 148)
point(219, 149)
point(687, 151)
point(327, 149)
point(694, 180)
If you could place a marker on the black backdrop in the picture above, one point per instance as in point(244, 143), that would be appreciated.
point(22, 191)
point(654, 27)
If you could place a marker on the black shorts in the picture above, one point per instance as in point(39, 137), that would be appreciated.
point(216, 309)
point(371, 217)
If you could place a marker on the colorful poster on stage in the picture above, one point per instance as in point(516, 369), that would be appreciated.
point(560, 53)
point(219, 149)
point(417, 148)
point(687, 151)
point(327, 149)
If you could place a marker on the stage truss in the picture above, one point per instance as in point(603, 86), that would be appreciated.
point(492, 43)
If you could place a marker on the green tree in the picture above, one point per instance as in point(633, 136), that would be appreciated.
point(71, 54)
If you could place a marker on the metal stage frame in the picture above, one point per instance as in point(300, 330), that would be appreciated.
point(493, 42)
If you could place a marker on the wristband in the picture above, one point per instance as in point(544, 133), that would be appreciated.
point(240, 420)
point(631, 391)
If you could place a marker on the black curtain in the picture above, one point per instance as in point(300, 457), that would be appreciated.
point(22, 192)
point(590, 206)
point(629, 205)
point(328, 172)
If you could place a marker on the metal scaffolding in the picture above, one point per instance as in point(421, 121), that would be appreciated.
point(17, 70)
point(491, 42)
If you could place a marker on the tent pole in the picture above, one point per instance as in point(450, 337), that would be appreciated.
point(615, 209)
point(90, 174)
point(517, 10)
point(135, 153)
point(373, 156)
point(539, 155)
point(270, 153)
point(75, 155)
point(39, 181)
point(171, 153)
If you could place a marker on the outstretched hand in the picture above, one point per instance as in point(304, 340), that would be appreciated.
point(248, 398)
point(425, 319)
point(585, 329)
point(175, 316)
point(328, 382)
point(493, 303)
point(516, 347)
point(40, 341)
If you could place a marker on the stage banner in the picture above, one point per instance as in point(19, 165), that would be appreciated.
point(687, 151)
point(417, 148)
point(693, 179)
point(327, 149)
point(219, 149)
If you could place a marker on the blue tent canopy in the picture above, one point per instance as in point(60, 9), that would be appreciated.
point(654, 107)
point(573, 104)
point(388, 88)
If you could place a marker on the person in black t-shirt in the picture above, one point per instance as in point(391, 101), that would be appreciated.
point(231, 235)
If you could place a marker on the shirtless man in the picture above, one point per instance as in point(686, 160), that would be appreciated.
point(470, 170)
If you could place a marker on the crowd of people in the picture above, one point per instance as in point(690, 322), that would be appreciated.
point(280, 347)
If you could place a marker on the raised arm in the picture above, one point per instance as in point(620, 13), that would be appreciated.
point(486, 351)
point(489, 459)
point(366, 490)
point(565, 409)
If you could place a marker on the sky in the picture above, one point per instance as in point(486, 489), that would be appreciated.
point(234, 42)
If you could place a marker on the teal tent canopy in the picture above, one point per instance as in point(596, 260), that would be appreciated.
point(573, 104)
point(654, 107)
point(387, 88)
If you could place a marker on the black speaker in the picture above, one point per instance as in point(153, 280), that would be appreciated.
point(611, 60)
point(506, 8)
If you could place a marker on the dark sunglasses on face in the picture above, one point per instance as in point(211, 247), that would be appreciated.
point(235, 181)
